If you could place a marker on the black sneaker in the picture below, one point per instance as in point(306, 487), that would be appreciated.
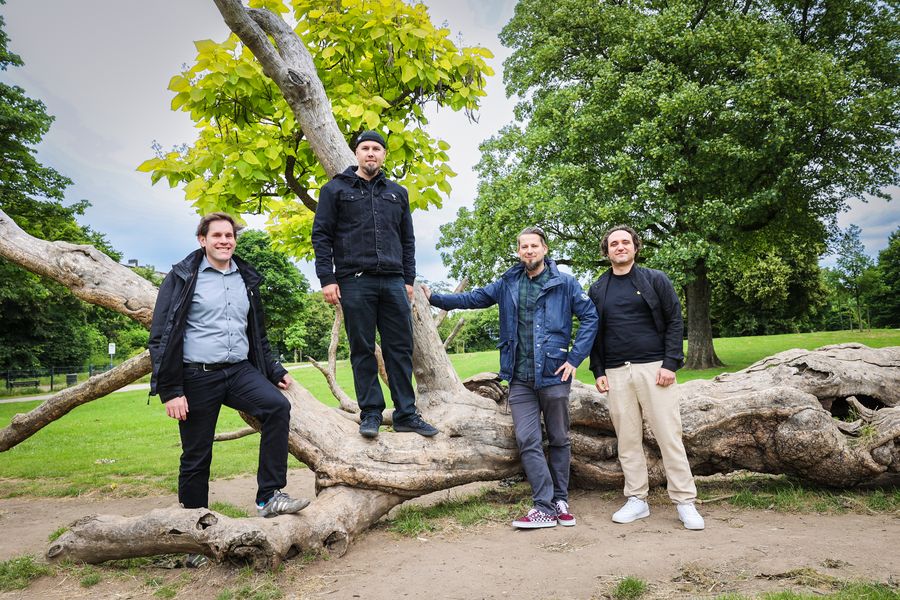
point(416, 424)
point(368, 427)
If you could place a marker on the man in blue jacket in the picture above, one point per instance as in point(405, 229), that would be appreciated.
point(536, 307)
point(366, 261)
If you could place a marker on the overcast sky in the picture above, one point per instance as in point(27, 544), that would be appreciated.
point(102, 68)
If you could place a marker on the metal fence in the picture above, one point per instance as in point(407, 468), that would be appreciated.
point(50, 379)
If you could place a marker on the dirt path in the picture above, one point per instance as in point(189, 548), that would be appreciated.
point(494, 561)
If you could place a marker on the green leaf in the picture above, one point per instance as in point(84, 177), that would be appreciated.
point(250, 158)
point(408, 73)
point(179, 84)
point(194, 189)
point(371, 118)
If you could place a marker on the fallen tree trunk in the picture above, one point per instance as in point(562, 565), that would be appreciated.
point(764, 419)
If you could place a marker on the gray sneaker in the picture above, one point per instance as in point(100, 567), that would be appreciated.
point(281, 504)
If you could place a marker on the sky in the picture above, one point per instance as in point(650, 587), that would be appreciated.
point(102, 68)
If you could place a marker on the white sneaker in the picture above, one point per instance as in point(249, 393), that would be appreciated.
point(634, 509)
point(689, 516)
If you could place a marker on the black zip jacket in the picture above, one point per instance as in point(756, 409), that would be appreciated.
point(658, 292)
point(363, 227)
point(170, 317)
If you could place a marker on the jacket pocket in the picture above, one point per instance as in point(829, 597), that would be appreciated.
point(554, 359)
point(506, 358)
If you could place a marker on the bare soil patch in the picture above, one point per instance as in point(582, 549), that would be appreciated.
point(744, 551)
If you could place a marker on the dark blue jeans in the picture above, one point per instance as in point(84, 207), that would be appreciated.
point(548, 476)
point(242, 388)
point(379, 301)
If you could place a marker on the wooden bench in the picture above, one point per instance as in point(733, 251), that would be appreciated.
point(23, 383)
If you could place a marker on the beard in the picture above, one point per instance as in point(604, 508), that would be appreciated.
point(532, 265)
point(370, 170)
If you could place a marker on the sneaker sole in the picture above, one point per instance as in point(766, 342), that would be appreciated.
point(402, 429)
point(533, 525)
point(570, 523)
point(694, 528)
point(642, 515)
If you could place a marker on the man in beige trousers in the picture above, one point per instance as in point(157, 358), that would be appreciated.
point(634, 358)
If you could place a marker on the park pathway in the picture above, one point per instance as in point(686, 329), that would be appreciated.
point(128, 388)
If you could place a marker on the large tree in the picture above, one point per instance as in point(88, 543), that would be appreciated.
point(885, 302)
point(726, 132)
point(382, 63)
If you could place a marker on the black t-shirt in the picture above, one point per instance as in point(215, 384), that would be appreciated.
point(629, 334)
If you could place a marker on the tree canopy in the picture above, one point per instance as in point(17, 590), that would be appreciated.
point(729, 134)
point(382, 62)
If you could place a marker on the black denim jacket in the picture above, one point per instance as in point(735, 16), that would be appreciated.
point(363, 228)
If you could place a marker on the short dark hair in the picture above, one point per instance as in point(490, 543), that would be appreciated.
point(534, 230)
point(635, 239)
point(205, 220)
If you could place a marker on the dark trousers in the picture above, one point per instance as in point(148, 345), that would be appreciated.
point(379, 301)
point(242, 388)
point(548, 476)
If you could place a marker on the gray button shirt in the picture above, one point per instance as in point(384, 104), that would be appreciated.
point(216, 330)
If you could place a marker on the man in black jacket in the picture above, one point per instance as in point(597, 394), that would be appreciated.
point(634, 359)
point(208, 346)
point(365, 259)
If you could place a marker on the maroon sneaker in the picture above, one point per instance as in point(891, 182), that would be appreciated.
point(535, 519)
point(563, 516)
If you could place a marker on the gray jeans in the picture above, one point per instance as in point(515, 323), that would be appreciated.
point(548, 476)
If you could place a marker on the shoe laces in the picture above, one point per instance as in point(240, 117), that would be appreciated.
point(562, 507)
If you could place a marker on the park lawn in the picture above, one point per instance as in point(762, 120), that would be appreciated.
point(116, 445)
point(120, 445)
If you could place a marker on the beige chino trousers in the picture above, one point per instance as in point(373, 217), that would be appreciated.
point(633, 394)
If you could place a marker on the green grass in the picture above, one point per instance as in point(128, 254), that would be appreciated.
point(18, 573)
point(117, 445)
point(90, 577)
point(847, 591)
point(122, 446)
point(229, 510)
point(785, 494)
point(488, 506)
point(629, 588)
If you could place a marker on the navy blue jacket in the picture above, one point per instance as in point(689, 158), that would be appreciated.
point(170, 317)
point(559, 299)
point(360, 229)
point(658, 292)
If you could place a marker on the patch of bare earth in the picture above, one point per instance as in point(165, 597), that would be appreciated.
point(745, 551)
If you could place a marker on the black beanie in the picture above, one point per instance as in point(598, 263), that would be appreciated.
point(369, 136)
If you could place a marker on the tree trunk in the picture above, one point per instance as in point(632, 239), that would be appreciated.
point(700, 354)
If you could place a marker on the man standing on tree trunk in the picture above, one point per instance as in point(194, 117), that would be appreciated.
point(366, 260)
point(635, 356)
point(536, 307)
point(208, 346)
